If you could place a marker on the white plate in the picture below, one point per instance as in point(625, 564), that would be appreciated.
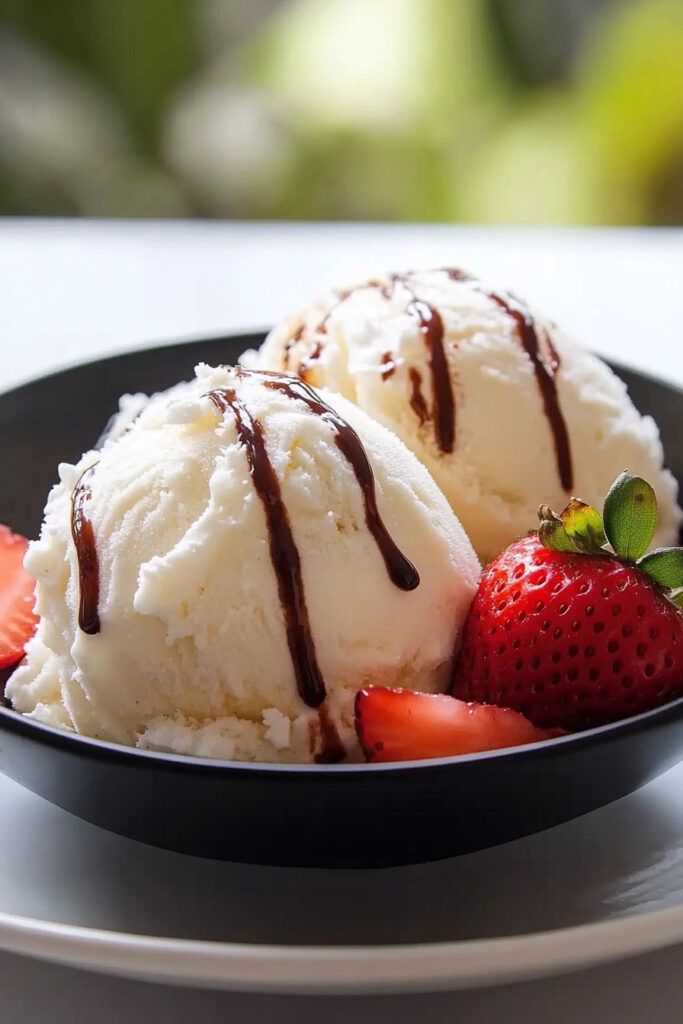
point(605, 886)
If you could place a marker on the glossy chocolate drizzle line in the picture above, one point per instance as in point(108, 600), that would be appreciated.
point(417, 399)
point(401, 571)
point(343, 294)
point(389, 365)
point(340, 296)
point(443, 402)
point(283, 550)
point(332, 749)
point(309, 361)
point(86, 554)
point(544, 369)
point(431, 326)
point(545, 377)
point(291, 341)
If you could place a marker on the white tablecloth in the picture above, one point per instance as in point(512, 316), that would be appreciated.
point(71, 290)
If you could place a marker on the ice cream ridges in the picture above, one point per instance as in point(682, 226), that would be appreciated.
point(500, 405)
point(222, 577)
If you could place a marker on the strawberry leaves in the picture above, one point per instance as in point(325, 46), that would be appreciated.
point(552, 532)
point(664, 566)
point(577, 529)
point(583, 526)
point(630, 518)
point(630, 513)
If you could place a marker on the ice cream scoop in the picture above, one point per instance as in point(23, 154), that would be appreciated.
point(225, 573)
point(498, 403)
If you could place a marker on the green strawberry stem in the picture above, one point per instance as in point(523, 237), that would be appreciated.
point(552, 532)
point(583, 525)
point(628, 524)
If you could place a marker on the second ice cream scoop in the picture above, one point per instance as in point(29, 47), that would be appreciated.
point(500, 405)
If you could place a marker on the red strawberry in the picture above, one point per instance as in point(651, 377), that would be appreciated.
point(17, 619)
point(400, 725)
point(577, 640)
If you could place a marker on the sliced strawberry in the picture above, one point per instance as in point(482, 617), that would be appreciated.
point(400, 725)
point(17, 618)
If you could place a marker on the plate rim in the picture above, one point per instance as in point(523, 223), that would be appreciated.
point(342, 970)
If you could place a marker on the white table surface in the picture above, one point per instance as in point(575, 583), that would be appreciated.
point(72, 290)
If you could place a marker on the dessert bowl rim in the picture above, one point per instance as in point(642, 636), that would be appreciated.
point(78, 743)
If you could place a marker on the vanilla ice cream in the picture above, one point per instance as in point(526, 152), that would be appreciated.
point(504, 409)
point(223, 576)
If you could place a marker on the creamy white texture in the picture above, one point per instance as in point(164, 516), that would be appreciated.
point(367, 345)
point(192, 654)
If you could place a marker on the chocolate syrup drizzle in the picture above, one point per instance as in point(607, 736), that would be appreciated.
point(545, 370)
point(309, 361)
point(417, 399)
point(401, 571)
point(443, 403)
point(291, 342)
point(389, 364)
point(332, 749)
point(341, 295)
point(283, 550)
point(432, 328)
point(86, 554)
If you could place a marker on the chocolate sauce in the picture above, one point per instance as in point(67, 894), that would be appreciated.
point(389, 364)
point(340, 296)
point(417, 399)
point(332, 749)
point(283, 550)
point(443, 403)
point(545, 371)
point(345, 293)
point(291, 342)
point(553, 357)
point(401, 571)
point(308, 361)
point(456, 274)
point(86, 554)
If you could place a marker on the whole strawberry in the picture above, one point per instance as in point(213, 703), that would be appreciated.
point(571, 632)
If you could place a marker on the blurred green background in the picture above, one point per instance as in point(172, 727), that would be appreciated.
point(517, 111)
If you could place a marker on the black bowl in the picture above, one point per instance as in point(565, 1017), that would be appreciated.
point(313, 815)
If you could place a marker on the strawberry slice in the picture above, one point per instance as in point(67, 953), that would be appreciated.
point(400, 725)
point(17, 618)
